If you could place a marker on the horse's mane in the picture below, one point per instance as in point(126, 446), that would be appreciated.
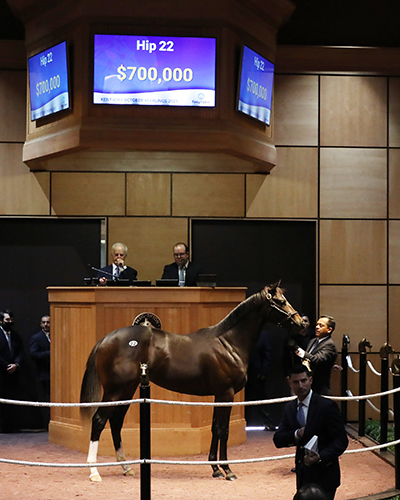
point(236, 314)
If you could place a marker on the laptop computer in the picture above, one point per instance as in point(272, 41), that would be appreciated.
point(206, 280)
point(94, 281)
point(167, 282)
point(140, 283)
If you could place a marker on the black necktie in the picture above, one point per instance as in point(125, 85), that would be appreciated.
point(313, 345)
point(8, 338)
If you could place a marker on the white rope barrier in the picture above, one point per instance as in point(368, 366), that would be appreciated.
point(350, 364)
point(373, 369)
point(365, 396)
point(181, 462)
point(71, 405)
point(373, 406)
point(234, 403)
point(265, 459)
point(391, 412)
point(368, 401)
point(146, 461)
point(188, 403)
point(147, 400)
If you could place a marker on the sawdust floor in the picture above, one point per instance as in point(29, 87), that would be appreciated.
point(362, 474)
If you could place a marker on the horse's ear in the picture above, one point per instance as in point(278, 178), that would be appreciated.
point(275, 285)
point(270, 290)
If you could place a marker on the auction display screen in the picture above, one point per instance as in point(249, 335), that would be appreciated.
point(154, 70)
point(48, 81)
point(255, 86)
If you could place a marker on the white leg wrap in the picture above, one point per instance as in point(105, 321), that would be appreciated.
point(92, 458)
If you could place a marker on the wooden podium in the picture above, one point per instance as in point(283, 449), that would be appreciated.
point(80, 316)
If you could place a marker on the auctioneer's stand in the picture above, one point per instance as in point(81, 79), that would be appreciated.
point(80, 316)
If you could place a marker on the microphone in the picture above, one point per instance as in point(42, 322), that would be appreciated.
point(121, 269)
point(101, 271)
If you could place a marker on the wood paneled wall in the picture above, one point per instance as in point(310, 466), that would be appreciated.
point(337, 136)
point(356, 116)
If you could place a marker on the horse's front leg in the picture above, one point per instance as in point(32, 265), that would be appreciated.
point(212, 456)
point(224, 419)
point(116, 422)
point(220, 434)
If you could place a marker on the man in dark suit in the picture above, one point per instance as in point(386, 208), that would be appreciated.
point(292, 342)
point(182, 269)
point(40, 353)
point(11, 357)
point(321, 355)
point(312, 417)
point(118, 269)
point(257, 379)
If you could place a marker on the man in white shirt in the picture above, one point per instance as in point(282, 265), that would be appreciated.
point(182, 269)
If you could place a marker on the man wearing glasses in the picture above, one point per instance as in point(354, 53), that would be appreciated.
point(182, 269)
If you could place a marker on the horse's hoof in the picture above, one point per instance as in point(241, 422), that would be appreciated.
point(230, 476)
point(129, 472)
point(217, 473)
point(95, 478)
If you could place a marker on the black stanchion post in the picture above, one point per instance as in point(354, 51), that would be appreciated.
point(396, 408)
point(344, 376)
point(362, 384)
point(145, 430)
point(384, 352)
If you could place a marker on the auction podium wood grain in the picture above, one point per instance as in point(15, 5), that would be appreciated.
point(80, 316)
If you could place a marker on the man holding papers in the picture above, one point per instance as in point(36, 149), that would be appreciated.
point(314, 425)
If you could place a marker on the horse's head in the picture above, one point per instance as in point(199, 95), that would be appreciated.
point(363, 344)
point(280, 310)
point(385, 350)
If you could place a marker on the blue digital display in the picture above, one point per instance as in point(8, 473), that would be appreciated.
point(255, 86)
point(154, 70)
point(48, 81)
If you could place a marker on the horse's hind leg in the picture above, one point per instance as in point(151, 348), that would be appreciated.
point(99, 421)
point(116, 422)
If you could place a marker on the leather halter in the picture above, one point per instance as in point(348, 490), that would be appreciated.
point(288, 316)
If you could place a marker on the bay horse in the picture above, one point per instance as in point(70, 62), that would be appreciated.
point(212, 361)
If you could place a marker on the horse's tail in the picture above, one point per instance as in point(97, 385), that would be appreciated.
point(90, 388)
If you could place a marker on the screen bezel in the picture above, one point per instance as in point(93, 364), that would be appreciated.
point(68, 75)
point(157, 106)
point(239, 81)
